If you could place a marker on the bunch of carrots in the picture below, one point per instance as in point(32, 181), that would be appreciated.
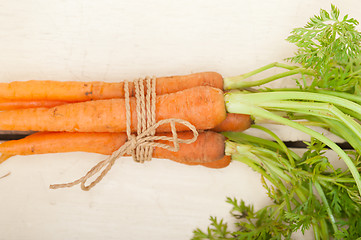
point(90, 117)
point(306, 190)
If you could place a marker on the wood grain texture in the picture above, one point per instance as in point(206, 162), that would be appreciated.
point(109, 40)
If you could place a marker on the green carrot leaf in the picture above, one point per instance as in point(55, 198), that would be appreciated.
point(332, 48)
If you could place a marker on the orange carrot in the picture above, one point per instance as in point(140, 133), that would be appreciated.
point(4, 157)
point(54, 142)
point(207, 150)
point(221, 163)
point(192, 105)
point(234, 123)
point(82, 91)
point(11, 104)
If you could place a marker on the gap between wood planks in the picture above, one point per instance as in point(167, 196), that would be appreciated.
point(15, 135)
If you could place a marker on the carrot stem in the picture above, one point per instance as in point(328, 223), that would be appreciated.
point(238, 82)
point(328, 209)
point(238, 102)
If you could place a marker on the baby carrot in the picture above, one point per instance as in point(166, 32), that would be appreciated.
point(221, 163)
point(203, 107)
point(73, 91)
point(207, 150)
point(234, 123)
point(21, 104)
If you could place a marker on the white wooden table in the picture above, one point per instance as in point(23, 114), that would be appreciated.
point(112, 40)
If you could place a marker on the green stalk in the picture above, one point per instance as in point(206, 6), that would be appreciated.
point(310, 107)
point(255, 98)
point(277, 174)
point(251, 164)
point(313, 124)
point(261, 156)
point(325, 202)
point(316, 226)
point(269, 99)
point(241, 137)
point(351, 113)
point(279, 141)
point(325, 178)
point(305, 119)
point(306, 108)
point(239, 83)
point(355, 73)
point(316, 231)
point(264, 68)
point(280, 161)
point(254, 158)
point(340, 130)
point(266, 158)
point(348, 96)
point(279, 209)
point(234, 104)
point(275, 170)
point(324, 230)
point(345, 95)
point(334, 126)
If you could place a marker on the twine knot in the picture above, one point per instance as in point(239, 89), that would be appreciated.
point(132, 140)
point(139, 146)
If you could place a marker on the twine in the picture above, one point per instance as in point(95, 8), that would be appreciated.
point(139, 146)
point(6, 175)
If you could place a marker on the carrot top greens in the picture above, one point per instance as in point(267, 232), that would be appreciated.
point(329, 52)
point(308, 192)
point(331, 47)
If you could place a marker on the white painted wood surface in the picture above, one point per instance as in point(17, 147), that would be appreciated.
point(112, 40)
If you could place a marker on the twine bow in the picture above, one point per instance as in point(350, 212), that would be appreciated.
point(139, 146)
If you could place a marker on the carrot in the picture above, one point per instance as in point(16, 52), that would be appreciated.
point(207, 150)
point(84, 91)
point(17, 104)
point(221, 163)
point(4, 157)
point(54, 142)
point(234, 123)
point(192, 105)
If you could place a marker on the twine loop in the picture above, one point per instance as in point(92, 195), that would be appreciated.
point(139, 146)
